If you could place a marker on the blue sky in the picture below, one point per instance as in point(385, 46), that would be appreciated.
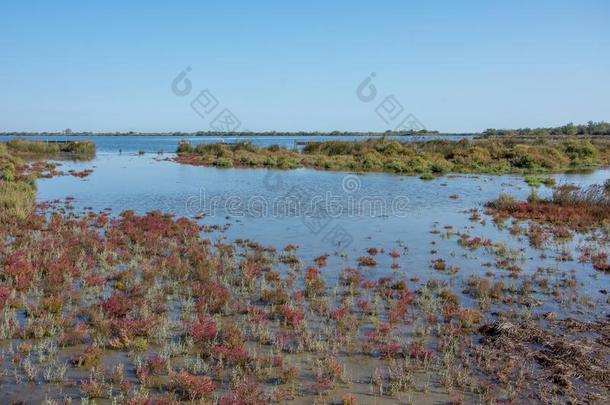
point(280, 65)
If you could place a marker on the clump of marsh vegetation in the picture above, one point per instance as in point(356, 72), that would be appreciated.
point(427, 158)
point(17, 189)
point(50, 149)
point(578, 208)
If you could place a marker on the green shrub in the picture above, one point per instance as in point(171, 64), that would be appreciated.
point(396, 166)
point(7, 172)
point(78, 147)
point(537, 181)
point(440, 166)
point(548, 181)
point(215, 149)
point(534, 197)
point(184, 147)
point(533, 181)
point(504, 202)
point(372, 161)
point(223, 162)
point(24, 146)
point(581, 151)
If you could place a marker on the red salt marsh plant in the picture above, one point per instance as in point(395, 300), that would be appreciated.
point(600, 262)
point(439, 264)
point(90, 357)
point(350, 277)
point(419, 352)
point(474, 242)
point(131, 333)
point(19, 270)
point(294, 317)
point(314, 285)
point(123, 293)
point(399, 308)
point(92, 388)
point(204, 330)
point(287, 375)
point(580, 209)
point(345, 320)
point(366, 261)
point(214, 297)
point(390, 350)
point(117, 305)
point(191, 387)
point(348, 399)
point(6, 295)
point(257, 315)
point(156, 365)
point(76, 335)
point(380, 334)
point(245, 390)
point(277, 296)
point(329, 372)
point(366, 307)
point(321, 260)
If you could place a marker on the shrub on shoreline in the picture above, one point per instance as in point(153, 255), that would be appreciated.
point(27, 147)
point(17, 186)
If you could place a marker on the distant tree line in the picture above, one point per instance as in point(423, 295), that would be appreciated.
point(590, 128)
point(68, 132)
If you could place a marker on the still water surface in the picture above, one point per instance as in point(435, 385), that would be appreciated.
point(243, 201)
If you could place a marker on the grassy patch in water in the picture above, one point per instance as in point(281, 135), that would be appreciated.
point(537, 181)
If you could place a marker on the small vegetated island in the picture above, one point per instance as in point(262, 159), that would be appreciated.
point(508, 152)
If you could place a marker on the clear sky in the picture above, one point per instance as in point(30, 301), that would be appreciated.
point(287, 65)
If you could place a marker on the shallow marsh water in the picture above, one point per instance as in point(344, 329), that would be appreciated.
point(360, 211)
point(243, 201)
point(419, 219)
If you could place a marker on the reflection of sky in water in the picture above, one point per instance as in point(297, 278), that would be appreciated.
point(146, 183)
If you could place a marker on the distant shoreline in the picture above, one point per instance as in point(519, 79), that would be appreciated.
point(235, 134)
point(601, 128)
point(591, 128)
